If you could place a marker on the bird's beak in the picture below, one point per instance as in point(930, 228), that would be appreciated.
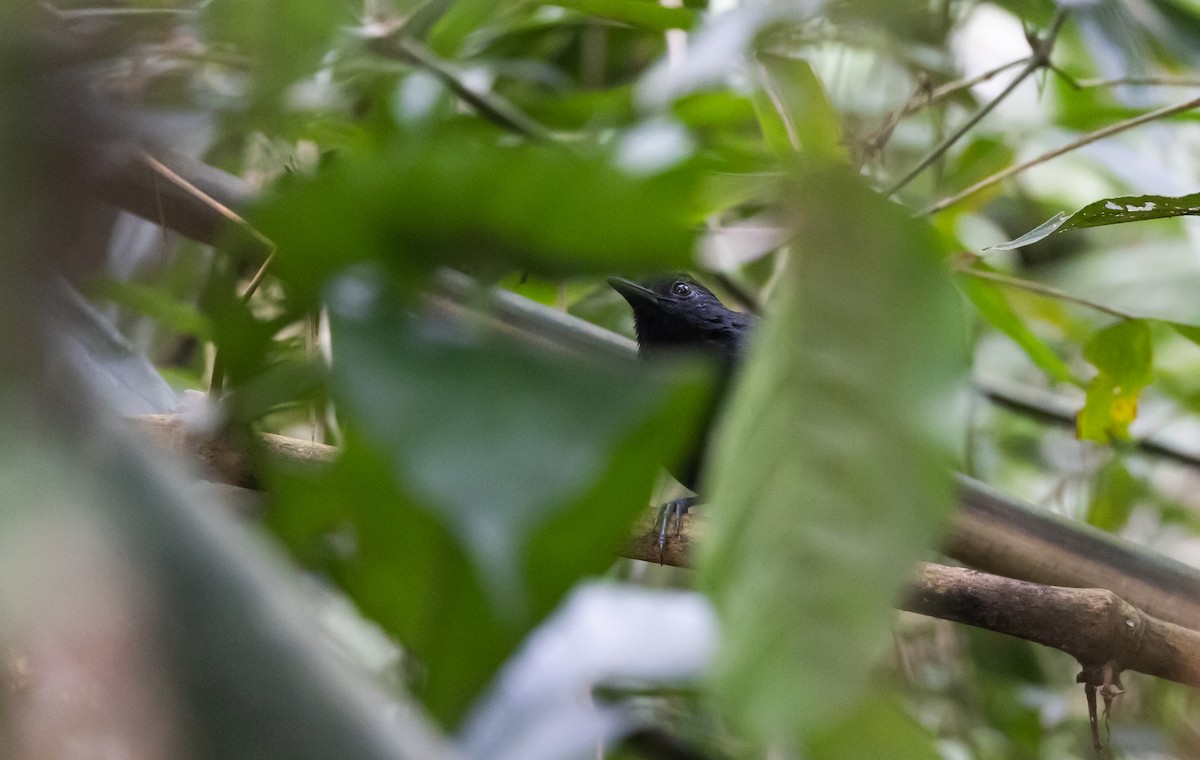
point(632, 292)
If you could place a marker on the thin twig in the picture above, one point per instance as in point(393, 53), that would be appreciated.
point(217, 378)
point(1088, 84)
point(949, 88)
point(1043, 290)
point(257, 279)
point(1036, 61)
point(489, 106)
point(204, 198)
point(77, 13)
point(1090, 137)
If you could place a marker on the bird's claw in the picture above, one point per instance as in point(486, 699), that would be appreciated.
point(676, 508)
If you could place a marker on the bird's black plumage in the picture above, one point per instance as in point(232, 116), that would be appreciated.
point(678, 314)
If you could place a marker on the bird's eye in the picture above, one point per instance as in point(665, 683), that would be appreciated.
point(681, 289)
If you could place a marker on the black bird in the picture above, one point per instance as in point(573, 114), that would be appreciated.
point(678, 314)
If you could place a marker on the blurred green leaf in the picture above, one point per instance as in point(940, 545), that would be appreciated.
point(461, 199)
point(285, 41)
point(1133, 208)
point(642, 13)
point(995, 308)
point(1191, 332)
point(714, 109)
point(1124, 355)
point(457, 20)
point(579, 109)
point(483, 478)
point(1114, 493)
point(155, 302)
point(877, 727)
point(795, 111)
point(828, 480)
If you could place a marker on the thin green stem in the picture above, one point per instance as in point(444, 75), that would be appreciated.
point(1043, 290)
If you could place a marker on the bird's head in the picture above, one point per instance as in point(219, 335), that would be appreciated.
point(678, 312)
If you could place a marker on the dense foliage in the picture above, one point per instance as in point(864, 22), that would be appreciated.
point(819, 161)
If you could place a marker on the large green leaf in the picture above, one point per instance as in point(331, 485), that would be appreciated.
point(794, 109)
point(462, 199)
point(1123, 354)
point(828, 480)
point(1132, 208)
point(481, 479)
point(640, 13)
point(877, 727)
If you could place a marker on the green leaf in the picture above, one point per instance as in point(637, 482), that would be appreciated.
point(1131, 208)
point(828, 478)
point(641, 13)
point(460, 199)
point(480, 481)
point(877, 727)
point(457, 20)
point(795, 111)
point(1191, 332)
point(1114, 494)
point(283, 41)
point(996, 309)
point(155, 302)
point(1124, 355)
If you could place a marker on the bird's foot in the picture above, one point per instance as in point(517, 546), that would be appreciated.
point(676, 508)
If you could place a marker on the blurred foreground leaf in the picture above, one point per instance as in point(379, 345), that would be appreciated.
point(794, 109)
point(460, 199)
point(480, 480)
point(827, 480)
point(280, 42)
point(639, 13)
point(877, 727)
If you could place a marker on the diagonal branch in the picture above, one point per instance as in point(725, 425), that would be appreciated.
point(1090, 137)
point(1093, 625)
point(1077, 604)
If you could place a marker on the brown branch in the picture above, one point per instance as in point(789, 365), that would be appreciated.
point(1092, 624)
point(990, 532)
point(132, 184)
point(220, 459)
point(1095, 626)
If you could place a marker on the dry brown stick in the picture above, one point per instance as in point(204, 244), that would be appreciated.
point(220, 459)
